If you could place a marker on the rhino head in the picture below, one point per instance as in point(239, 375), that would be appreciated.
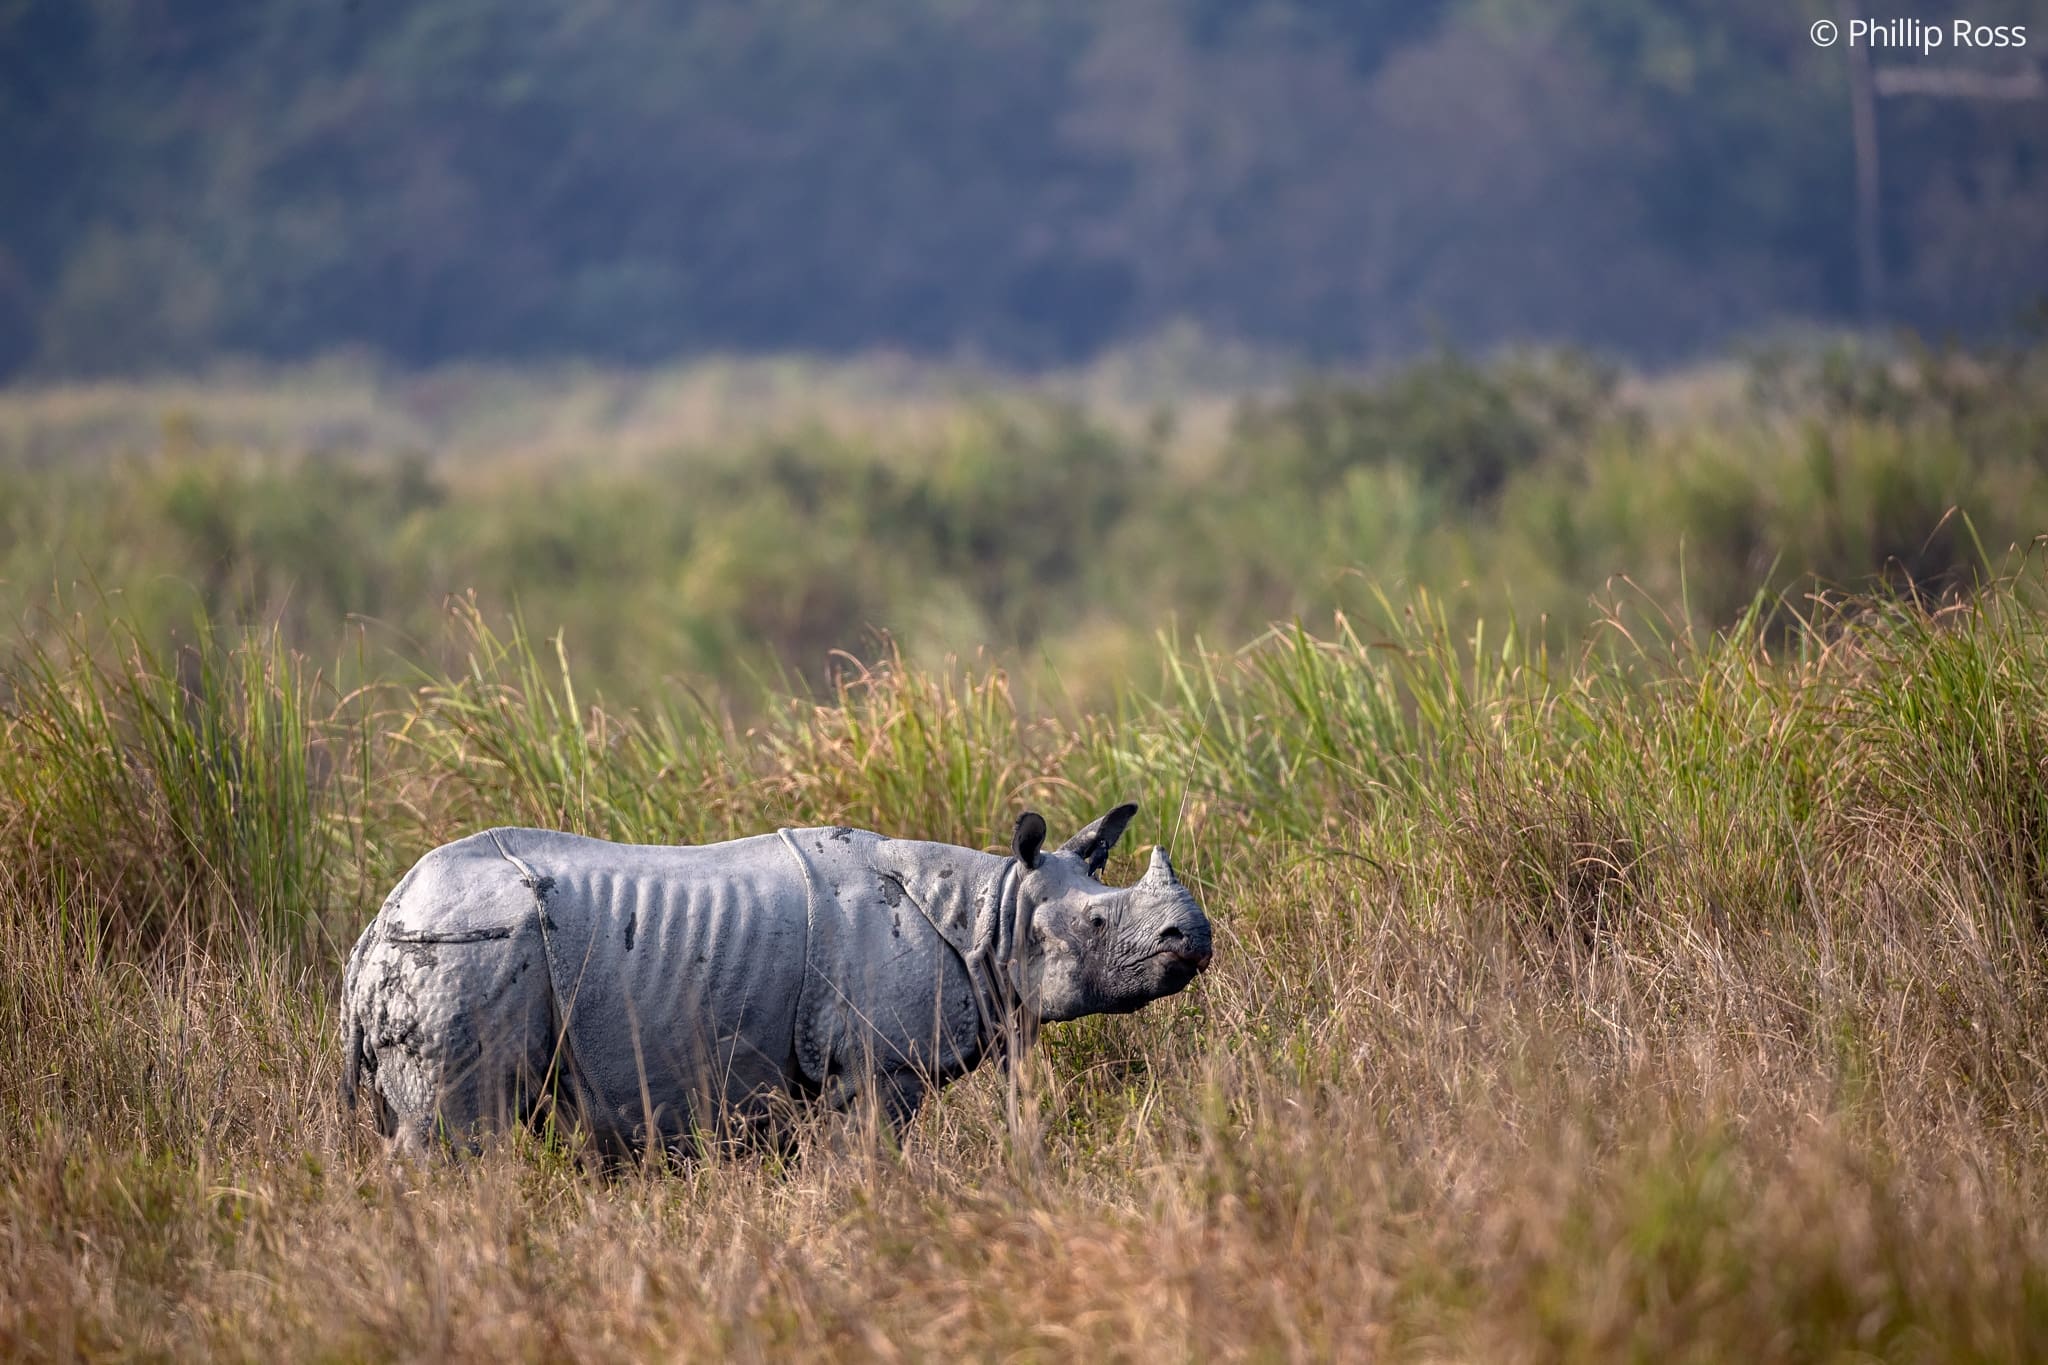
point(1085, 948)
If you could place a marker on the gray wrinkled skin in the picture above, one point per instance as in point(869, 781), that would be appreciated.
point(663, 994)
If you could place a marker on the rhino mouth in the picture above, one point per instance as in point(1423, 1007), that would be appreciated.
point(1177, 967)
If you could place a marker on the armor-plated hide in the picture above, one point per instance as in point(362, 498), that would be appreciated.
point(667, 993)
point(699, 987)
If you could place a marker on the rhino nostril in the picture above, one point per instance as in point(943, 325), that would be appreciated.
point(1171, 935)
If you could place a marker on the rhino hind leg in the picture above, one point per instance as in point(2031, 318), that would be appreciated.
point(457, 1037)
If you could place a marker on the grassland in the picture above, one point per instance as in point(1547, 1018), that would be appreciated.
point(1645, 968)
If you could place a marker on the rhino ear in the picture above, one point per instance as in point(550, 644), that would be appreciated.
point(1028, 838)
point(1092, 844)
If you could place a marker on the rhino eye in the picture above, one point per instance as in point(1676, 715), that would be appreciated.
point(1096, 920)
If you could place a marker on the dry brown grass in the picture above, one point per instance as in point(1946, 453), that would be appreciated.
point(1684, 1005)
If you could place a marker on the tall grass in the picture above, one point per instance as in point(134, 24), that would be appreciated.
point(206, 786)
point(1676, 997)
point(1058, 535)
point(939, 755)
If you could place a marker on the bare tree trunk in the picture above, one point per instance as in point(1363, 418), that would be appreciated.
point(1863, 124)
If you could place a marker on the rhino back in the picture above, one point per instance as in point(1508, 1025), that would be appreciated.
point(460, 892)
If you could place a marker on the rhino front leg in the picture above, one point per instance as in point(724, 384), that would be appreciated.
point(901, 1094)
point(896, 1095)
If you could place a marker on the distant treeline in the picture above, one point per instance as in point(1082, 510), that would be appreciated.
point(1023, 180)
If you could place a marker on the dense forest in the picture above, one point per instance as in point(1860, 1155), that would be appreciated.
point(1027, 181)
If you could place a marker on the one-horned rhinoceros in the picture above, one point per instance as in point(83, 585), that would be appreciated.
point(672, 992)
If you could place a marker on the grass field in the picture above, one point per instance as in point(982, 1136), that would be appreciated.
point(1660, 977)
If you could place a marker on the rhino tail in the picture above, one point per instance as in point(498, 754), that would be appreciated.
point(351, 1062)
point(352, 1026)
